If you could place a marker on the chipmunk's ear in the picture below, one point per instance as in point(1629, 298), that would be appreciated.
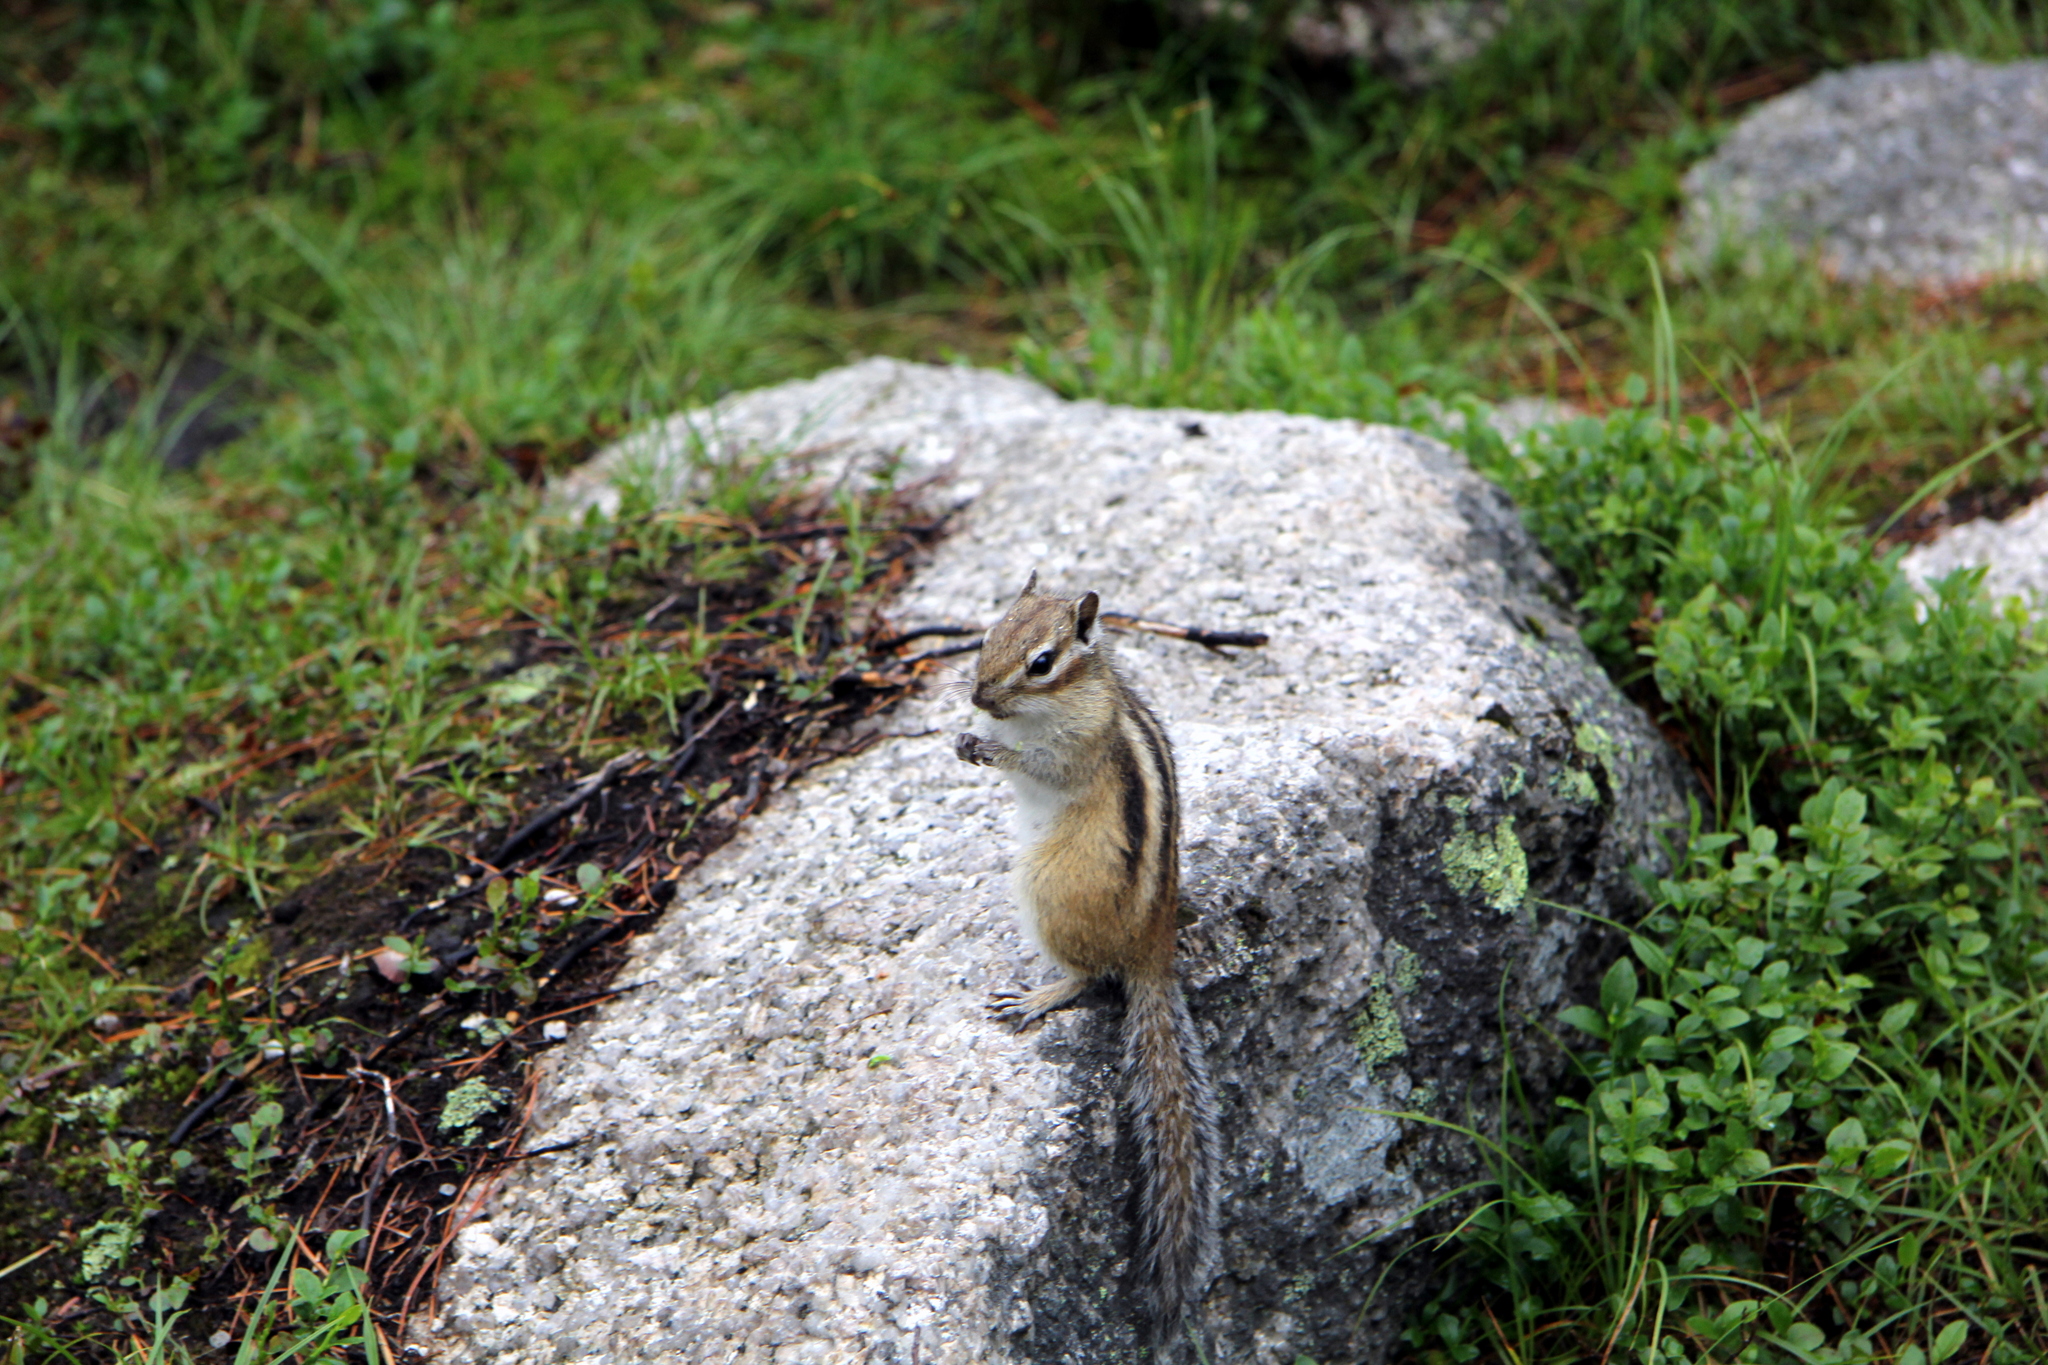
point(1085, 607)
point(1030, 584)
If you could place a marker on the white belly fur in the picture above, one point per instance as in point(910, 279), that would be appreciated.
point(1038, 807)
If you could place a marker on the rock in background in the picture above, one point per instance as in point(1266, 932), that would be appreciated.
point(802, 1140)
point(1417, 41)
point(1930, 172)
point(2013, 553)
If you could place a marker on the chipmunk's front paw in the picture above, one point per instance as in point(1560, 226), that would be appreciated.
point(972, 748)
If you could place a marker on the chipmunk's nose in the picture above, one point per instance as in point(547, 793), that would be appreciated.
point(984, 699)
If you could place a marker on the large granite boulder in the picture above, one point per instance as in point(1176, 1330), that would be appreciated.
point(802, 1140)
point(1930, 172)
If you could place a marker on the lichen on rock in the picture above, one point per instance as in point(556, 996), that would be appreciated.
point(1493, 864)
point(1378, 1031)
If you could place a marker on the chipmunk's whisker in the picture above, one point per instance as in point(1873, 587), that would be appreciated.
point(957, 684)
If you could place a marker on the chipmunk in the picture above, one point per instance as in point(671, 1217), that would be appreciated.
point(1097, 886)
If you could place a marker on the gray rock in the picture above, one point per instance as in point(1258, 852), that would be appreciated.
point(803, 1141)
point(1513, 418)
point(1416, 41)
point(1932, 172)
point(2013, 553)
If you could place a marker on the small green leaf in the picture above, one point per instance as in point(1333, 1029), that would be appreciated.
point(340, 1244)
point(495, 893)
point(1831, 1059)
point(1749, 1164)
point(1651, 956)
point(1887, 1157)
point(1656, 1158)
point(1585, 1019)
point(261, 1239)
point(1786, 1035)
point(1950, 1341)
point(1847, 1141)
point(1895, 1019)
point(1618, 989)
point(1804, 1336)
point(589, 876)
point(1544, 1208)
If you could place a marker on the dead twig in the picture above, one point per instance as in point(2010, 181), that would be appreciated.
point(1208, 639)
point(943, 652)
point(583, 791)
point(904, 637)
point(689, 751)
point(1214, 640)
point(201, 1110)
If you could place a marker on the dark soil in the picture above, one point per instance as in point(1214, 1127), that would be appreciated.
point(1929, 519)
point(302, 1010)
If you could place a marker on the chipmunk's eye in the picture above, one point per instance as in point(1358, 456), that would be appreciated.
point(1041, 665)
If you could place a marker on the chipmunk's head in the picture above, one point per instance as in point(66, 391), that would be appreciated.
point(1043, 653)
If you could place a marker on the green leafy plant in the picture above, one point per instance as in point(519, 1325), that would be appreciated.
point(1800, 1072)
point(512, 944)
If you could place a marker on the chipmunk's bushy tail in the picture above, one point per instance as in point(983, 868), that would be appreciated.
point(1174, 1113)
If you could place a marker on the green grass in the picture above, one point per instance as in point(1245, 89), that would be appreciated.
point(442, 245)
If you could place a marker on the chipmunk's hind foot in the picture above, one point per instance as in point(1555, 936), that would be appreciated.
point(1019, 1008)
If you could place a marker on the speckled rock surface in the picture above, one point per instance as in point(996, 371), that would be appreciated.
point(1416, 41)
point(1931, 172)
point(2013, 553)
point(803, 1141)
